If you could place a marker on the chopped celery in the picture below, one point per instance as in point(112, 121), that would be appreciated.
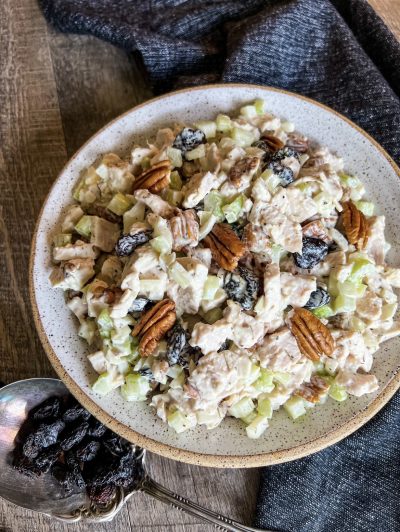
point(249, 418)
point(366, 207)
point(357, 192)
point(208, 127)
point(175, 156)
point(337, 392)
point(213, 202)
point(357, 325)
point(161, 244)
point(62, 240)
point(388, 311)
point(213, 315)
point(180, 275)
point(361, 268)
point(248, 111)
point(233, 210)
point(119, 337)
point(323, 312)
point(135, 214)
point(351, 289)
point(87, 330)
point(211, 286)
point(264, 407)
point(176, 181)
point(264, 383)
point(207, 222)
point(349, 180)
point(135, 388)
point(272, 180)
point(104, 321)
point(333, 285)
point(119, 204)
point(256, 428)
point(98, 361)
point(178, 381)
point(84, 226)
point(259, 106)
point(276, 252)
point(295, 407)
point(282, 377)
point(196, 153)
point(242, 408)
point(344, 304)
point(242, 137)
point(174, 197)
point(223, 123)
point(324, 203)
point(174, 371)
point(209, 419)
point(288, 127)
point(179, 422)
point(106, 383)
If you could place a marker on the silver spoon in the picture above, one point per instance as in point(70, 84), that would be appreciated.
point(45, 495)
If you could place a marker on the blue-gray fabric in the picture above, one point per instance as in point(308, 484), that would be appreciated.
point(340, 53)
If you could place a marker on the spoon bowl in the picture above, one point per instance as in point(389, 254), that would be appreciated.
point(45, 495)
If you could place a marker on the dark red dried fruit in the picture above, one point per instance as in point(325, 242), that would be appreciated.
point(314, 250)
point(47, 457)
point(24, 466)
point(96, 429)
point(318, 298)
point(127, 244)
point(87, 451)
point(116, 445)
point(41, 438)
point(71, 437)
point(188, 139)
point(46, 410)
point(75, 412)
point(242, 287)
point(102, 495)
point(177, 340)
point(74, 471)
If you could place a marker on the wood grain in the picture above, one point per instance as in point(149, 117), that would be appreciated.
point(55, 92)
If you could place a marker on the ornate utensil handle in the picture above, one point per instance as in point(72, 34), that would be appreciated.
point(151, 487)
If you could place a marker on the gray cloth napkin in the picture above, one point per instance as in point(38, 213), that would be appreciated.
point(340, 53)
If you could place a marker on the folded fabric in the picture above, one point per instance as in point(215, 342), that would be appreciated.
point(340, 53)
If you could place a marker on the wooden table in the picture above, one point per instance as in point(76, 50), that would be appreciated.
point(56, 91)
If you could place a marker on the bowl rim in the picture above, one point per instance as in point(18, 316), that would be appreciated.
point(164, 449)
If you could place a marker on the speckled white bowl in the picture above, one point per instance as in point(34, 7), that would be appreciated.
point(227, 445)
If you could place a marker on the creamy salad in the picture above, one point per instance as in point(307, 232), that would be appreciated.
point(229, 267)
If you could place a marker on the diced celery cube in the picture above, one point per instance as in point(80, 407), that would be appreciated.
point(104, 320)
point(135, 214)
point(264, 407)
point(233, 210)
point(388, 311)
point(357, 325)
point(223, 123)
point(175, 157)
point(207, 222)
point(213, 315)
point(272, 180)
point(210, 287)
point(251, 417)
point(135, 388)
point(62, 240)
point(337, 392)
point(265, 383)
point(349, 180)
point(288, 127)
point(105, 384)
point(119, 204)
point(366, 207)
point(360, 269)
point(196, 153)
point(208, 127)
point(242, 137)
point(174, 197)
point(176, 181)
point(275, 253)
point(349, 289)
point(178, 421)
point(213, 202)
point(84, 226)
point(242, 408)
point(323, 312)
point(259, 105)
point(333, 288)
point(161, 244)
point(295, 407)
point(178, 382)
point(87, 330)
point(282, 377)
point(257, 427)
point(180, 275)
point(248, 111)
point(344, 304)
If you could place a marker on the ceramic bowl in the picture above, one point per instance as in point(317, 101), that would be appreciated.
point(227, 445)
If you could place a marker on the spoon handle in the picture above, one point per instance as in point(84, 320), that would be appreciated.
point(153, 488)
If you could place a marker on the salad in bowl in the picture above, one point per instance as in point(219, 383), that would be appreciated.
point(228, 267)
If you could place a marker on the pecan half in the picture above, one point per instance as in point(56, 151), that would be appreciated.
point(245, 167)
point(153, 325)
point(314, 390)
point(313, 337)
point(297, 143)
point(355, 225)
point(155, 178)
point(185, 229)
point(225, 245)
point(272, 142)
